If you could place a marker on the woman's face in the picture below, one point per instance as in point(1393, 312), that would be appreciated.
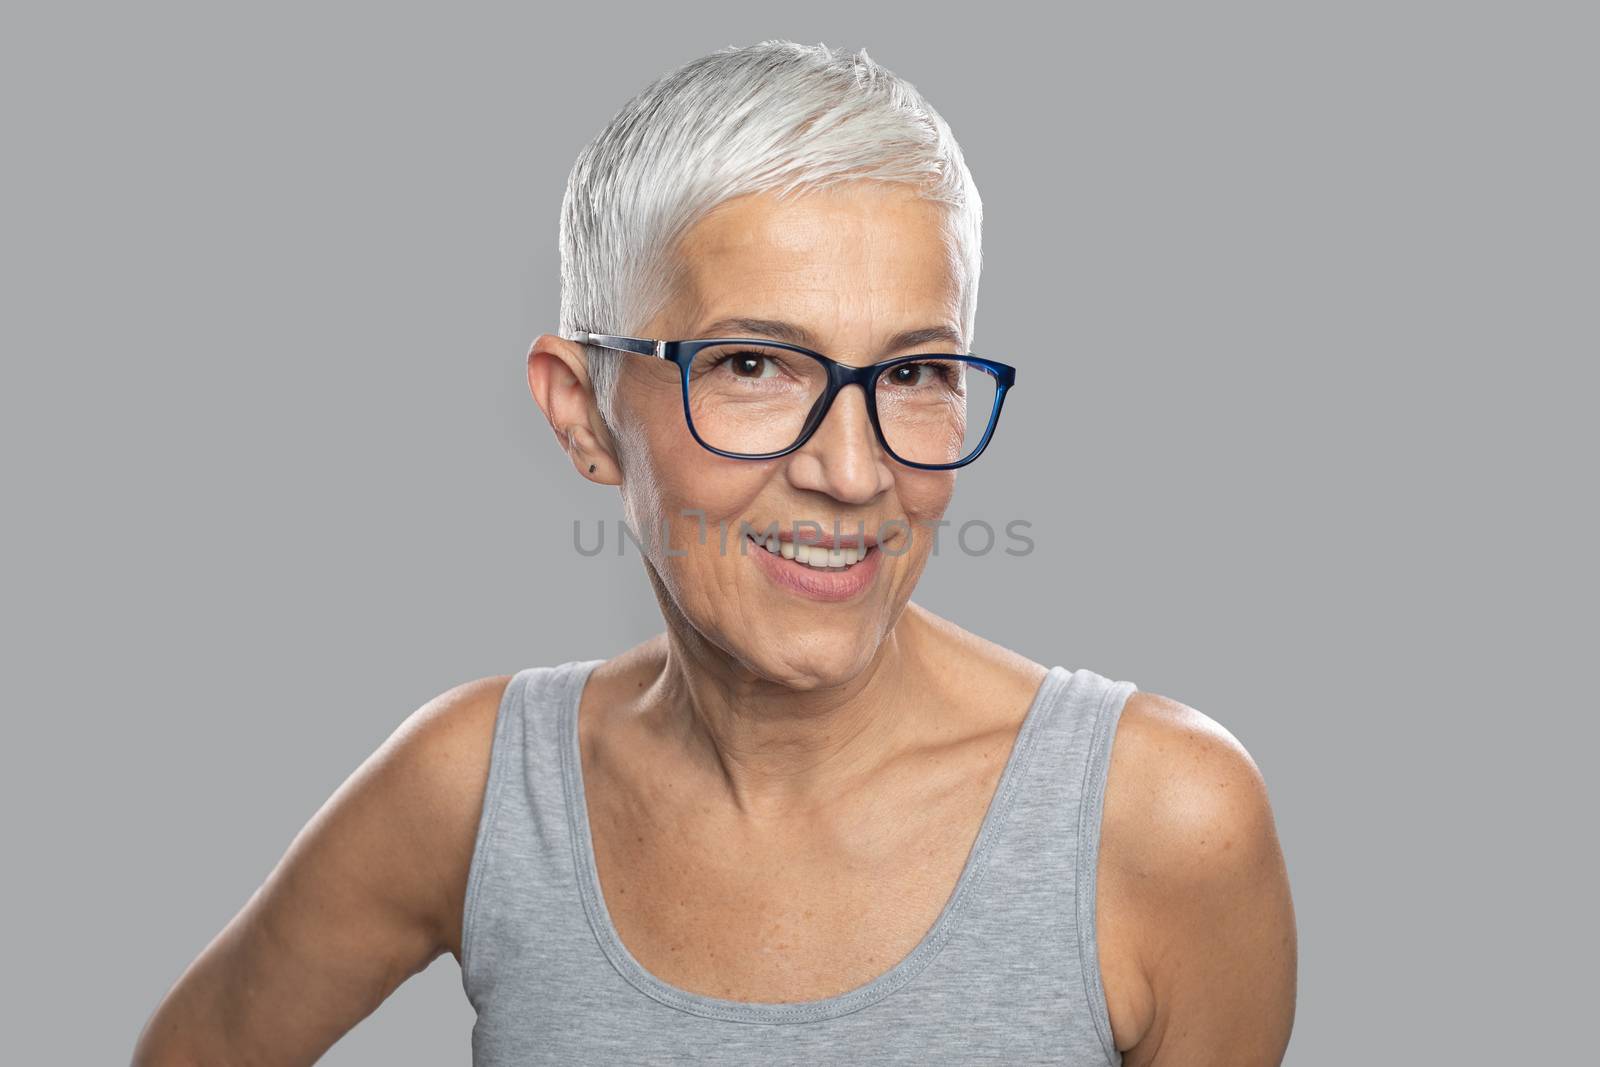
point(853, 266)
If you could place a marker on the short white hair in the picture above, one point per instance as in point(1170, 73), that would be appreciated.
point(776, 117)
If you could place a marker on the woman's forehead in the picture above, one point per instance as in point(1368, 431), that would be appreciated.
point(829, 253)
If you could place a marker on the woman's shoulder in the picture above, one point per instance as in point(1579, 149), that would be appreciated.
point(435, 769)
point(1183, 797)
point(1188, 847)
point(1179, 777)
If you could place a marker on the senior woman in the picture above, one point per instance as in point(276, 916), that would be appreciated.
point(809, 822)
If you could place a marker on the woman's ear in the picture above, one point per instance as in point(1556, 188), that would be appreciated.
point(559, 381)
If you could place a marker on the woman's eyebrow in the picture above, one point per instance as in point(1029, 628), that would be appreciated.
point(795, 334)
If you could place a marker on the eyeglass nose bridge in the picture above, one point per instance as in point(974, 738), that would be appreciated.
point(839, 376)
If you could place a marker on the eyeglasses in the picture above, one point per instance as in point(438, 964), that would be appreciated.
point(752, 399)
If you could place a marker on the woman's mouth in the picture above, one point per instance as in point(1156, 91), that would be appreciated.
point(815, 572)
point(819, 557)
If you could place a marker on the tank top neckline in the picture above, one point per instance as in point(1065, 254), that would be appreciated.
point(570, 694)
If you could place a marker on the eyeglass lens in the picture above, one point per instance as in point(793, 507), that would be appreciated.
point(753, 399)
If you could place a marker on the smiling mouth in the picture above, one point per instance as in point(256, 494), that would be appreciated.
point(819, 557)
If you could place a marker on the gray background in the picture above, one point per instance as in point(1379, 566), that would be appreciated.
point(1304, 303)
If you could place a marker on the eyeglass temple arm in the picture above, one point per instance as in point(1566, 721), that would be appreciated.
point(622, 344)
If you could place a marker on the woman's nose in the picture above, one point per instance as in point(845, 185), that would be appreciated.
point(843, 458)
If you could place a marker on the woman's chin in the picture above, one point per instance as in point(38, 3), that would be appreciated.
point(812, 661)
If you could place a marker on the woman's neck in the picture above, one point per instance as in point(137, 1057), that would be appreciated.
point(783, 747)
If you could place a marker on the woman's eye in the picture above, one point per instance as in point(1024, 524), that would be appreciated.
point(911, 374)
point(746, 364)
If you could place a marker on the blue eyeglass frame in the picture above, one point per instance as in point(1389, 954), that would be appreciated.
point(839, 375)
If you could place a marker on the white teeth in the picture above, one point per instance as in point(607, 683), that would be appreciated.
point(818, 556)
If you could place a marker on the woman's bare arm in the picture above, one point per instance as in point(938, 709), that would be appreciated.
point(1194, 880)
point(368, 894)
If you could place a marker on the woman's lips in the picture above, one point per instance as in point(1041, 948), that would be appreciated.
point(815, 583)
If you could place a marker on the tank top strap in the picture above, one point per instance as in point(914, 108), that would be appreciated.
point(522, 855)
point(1052, 839)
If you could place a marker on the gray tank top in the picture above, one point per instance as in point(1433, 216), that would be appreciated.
point(1009, 971)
